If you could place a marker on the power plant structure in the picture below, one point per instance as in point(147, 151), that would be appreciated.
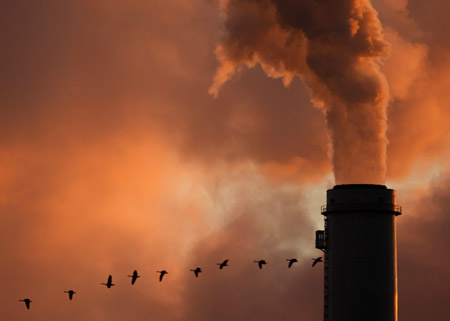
point(360, 247)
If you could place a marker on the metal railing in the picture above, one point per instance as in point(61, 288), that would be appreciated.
point(397, 209)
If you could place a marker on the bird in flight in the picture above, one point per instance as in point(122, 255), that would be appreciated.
point(27, 302)
point(317, 260)
point(162, 273)
point(109, 284)
point(223, 264)
point(71, 293)
point(291, 261)
point(197, 271)
point(134, 277)
point(260, 263)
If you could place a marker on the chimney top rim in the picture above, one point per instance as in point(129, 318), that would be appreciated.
point(360, 186)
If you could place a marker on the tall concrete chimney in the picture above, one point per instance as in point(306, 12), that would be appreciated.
point(359, 242)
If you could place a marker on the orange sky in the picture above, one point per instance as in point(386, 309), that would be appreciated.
point(115, 157)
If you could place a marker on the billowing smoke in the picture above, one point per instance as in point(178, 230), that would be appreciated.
point(336, 47)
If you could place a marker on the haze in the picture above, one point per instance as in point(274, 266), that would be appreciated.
point(115, 157)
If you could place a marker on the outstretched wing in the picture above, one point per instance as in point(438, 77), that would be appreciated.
point(224, 263)
point(319, 259)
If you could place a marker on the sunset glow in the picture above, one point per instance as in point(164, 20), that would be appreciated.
point(151, 135)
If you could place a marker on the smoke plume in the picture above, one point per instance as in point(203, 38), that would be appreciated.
point(336, 48)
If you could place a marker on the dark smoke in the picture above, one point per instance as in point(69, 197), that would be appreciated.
point(336, 48)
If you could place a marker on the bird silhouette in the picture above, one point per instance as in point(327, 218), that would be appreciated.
point(197, 271)
point(27, 303)
point(109, 284)
point(317, 260)
point(71, 293)
point(260, 263)
point(291, 261)
point(162, 273)
point(223, 264)
point(134, 277)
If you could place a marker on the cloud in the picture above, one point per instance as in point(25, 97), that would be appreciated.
point(336, 49)
point(123, 204)
point(417, 72)
point(115, 157)
point(423, 250)
point(269, 224)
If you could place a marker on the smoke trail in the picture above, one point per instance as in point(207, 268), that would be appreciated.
point(336, 47)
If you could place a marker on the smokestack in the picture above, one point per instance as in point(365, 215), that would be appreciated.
point(360, 249)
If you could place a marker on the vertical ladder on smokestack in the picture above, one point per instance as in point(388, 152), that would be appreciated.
point(321, 244)
point(325, 272)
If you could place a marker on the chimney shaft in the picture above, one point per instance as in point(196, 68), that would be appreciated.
point(360, 253)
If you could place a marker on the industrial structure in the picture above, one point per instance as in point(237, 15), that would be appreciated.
point(359, 243)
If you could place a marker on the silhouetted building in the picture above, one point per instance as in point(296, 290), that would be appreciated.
point(360, 249)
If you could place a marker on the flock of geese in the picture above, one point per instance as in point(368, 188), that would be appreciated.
point(196, 271)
